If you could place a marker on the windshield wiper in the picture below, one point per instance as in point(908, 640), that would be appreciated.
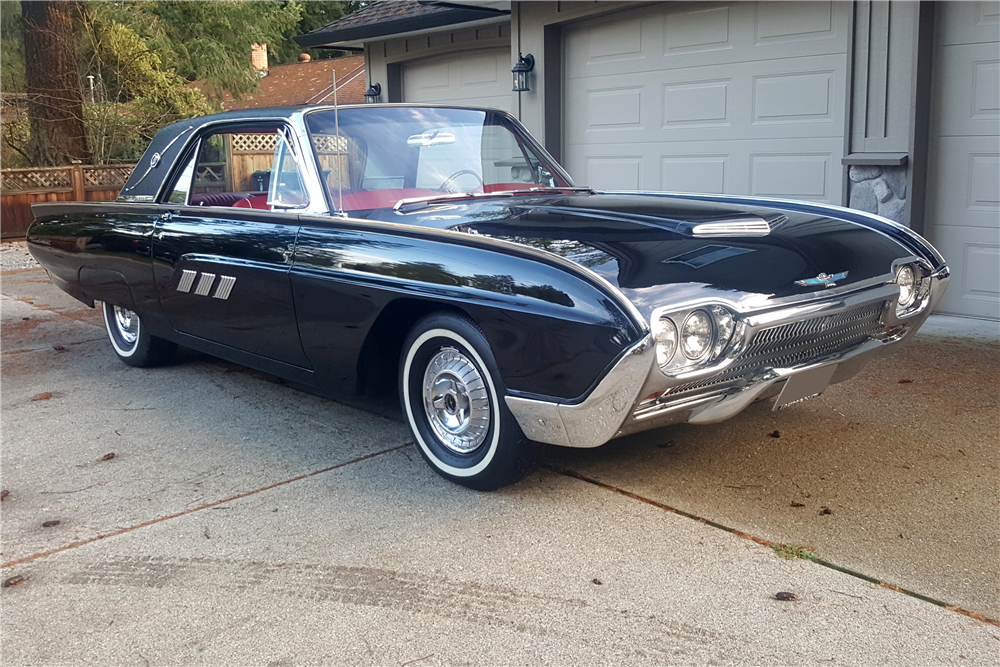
point(417, 203)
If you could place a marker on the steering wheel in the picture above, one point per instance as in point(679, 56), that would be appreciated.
point(448, 181)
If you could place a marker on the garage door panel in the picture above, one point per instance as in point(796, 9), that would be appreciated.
point(695, 173)
point(614, 172)
point(795, 175)
point(966, 174)
point(472, 78)
point(970, 102)
point(969, 23)
point(804, 97)
point(974, 255)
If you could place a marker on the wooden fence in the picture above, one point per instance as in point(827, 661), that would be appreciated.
point(20, 188)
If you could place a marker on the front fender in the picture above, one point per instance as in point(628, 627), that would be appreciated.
point(553, 330)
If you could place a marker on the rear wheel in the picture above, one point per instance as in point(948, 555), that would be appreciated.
point(130, 340)
point(452, 396)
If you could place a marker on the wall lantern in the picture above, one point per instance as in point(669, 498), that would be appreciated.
point(520, 71)
point(371, 95)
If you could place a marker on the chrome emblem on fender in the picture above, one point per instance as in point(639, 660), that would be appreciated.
point(824, 279)
point(205, 282)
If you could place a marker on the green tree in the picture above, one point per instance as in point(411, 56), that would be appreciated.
point(11, 48)
point(210, 41)
point(133, 96)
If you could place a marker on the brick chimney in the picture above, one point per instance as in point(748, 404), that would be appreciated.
point(258, 56)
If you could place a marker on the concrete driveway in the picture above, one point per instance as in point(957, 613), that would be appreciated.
point(243, 522)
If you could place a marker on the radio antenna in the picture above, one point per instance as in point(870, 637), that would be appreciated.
point(336, 123)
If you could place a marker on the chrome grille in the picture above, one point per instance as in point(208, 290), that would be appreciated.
point(796, 344)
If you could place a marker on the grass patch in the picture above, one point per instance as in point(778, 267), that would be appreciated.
point(791, 551)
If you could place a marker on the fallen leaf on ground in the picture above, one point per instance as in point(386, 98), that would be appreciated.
point(44, 396)
point(775, 434)
point(108, 456)
point(598, 582)
point(4, 494)
point(14, 581)
point(826, 510)
point(795, 504)
point(785, 596)
point(50, 524)
point(906, 381)
point(58, 348)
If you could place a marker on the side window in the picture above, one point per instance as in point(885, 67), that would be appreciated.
point(287, 189)
point(243, 168)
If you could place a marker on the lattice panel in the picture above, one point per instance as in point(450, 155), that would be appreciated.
point(329, 143)
point(110, 175)
point(254, 143)
point(36, 179)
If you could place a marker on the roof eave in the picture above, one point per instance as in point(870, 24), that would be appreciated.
point(349, 37)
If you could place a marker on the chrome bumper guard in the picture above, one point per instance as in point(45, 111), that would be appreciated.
point(621, 403)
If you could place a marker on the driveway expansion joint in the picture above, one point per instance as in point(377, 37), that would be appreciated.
point(767, 543)
point(239, 496)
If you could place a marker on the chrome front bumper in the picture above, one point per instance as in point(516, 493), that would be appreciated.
point(635, 396)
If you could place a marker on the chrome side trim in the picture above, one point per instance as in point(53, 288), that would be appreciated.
point(187, 279)
point(596, 420)
point(204, 284)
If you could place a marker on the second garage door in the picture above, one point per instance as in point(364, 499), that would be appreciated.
point(478, 78)
point(741, 98)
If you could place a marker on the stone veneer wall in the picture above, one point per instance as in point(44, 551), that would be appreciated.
point(880, 190)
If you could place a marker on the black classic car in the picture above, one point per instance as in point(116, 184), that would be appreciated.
point(441, 252)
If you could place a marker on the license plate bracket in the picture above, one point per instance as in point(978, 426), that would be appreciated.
point(805, 385)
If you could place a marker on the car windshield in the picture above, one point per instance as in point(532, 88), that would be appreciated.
point(384, 154)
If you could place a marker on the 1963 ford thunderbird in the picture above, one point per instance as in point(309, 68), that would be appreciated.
point(444, 252)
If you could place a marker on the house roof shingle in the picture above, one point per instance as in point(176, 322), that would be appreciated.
point(307, 83)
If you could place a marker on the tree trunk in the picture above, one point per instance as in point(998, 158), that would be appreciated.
point(55, 102)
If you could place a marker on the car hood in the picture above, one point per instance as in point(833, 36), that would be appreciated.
point(646, 245)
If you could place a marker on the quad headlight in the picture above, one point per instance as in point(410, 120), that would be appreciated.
point(691, 338)
point(914, 286)
point(907, 281)
point(665, 333)
point(697, 335)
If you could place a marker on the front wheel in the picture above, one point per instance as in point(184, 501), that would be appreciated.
point(452, 397)
point(130, 340)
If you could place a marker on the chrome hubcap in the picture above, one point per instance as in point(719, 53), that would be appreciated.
point(456, 401)
point(127, 324)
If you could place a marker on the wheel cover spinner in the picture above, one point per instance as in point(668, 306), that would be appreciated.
point(456, 401)
point(127, 325)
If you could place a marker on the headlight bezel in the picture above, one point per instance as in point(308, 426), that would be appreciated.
point(723, 323)
point(919, 287)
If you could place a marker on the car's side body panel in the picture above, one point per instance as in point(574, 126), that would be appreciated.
point(222, 275)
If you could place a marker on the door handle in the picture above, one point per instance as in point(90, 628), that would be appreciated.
point(168, 216)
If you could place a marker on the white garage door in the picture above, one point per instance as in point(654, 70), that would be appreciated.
point(963, 212)
point(472, 78)
point(742, 98)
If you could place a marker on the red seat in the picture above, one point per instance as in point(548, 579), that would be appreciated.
point(253, 201)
